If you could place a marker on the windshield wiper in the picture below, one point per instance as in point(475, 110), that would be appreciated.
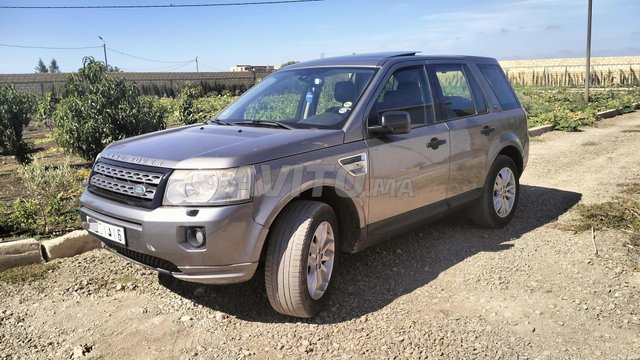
point(264, 123)
point(219, 122)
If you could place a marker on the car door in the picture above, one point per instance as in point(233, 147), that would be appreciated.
point(408, 172)
point(463, 107)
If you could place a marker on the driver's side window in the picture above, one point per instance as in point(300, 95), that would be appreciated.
point(406, 90)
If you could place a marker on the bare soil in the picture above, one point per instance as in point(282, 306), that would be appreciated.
point(449, 290)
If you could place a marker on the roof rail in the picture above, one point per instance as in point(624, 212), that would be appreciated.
point(402, 53)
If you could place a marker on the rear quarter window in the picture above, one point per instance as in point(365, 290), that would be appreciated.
point(500, 86)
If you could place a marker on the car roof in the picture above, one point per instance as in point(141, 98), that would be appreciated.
point(379, 58)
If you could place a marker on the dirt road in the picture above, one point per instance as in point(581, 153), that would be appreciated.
point(448, 290)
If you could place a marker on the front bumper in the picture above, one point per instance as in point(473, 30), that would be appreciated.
point(155, 238)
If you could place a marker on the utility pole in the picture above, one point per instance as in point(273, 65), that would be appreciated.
point(587, 77)
point(104, 47)
point(197, 70)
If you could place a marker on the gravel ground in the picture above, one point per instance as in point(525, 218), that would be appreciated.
point(449, 290)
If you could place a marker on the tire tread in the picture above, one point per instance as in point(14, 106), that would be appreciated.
point(482, 212)
point(283, 273)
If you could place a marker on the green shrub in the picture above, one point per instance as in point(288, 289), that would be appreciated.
point(24, 215)
point(208, 107)
point(16, 112)
point(171, 108)
point(98, 109)
point(46, 106)
point(567, 110)
point(6, 226)
point(192, 108)
point(274, 107)
point(187, 99)
point(53, 191)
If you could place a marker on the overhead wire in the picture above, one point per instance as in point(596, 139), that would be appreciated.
point(208, 66)
point(146, 59)
point(176, 64)
point(165, 68)
point(247, 3)
point(50, 47)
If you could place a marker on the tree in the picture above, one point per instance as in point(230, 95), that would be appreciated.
point(16, 111)
point(98, 109)
point(41, 68)
point(53, 67)
point(289, 63)
point(113, 69)
point(48, 187)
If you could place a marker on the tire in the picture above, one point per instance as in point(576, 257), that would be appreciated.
point(289, 265)
point(497, 214)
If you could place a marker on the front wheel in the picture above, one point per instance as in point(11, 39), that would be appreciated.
point(500, 194)
point(301, 258)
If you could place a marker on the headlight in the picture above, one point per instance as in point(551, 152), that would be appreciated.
point(209, 187)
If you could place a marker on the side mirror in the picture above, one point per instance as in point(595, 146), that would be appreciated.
point(392, 123)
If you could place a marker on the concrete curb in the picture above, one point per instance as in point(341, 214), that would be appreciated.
point(19, 253)
point(539, 130)
point(609, 113)
point(71, 244)
point(31, 251)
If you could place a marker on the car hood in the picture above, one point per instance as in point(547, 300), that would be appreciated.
point(216, 146)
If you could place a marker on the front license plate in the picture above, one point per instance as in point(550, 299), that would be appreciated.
point(111, 232)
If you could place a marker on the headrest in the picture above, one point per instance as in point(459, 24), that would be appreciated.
point(344, 91)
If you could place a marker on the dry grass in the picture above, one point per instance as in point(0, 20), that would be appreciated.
point(622, 213)
point(27, 273)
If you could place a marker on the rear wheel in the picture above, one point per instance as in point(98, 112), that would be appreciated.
point(500, 194)
point(301, 258)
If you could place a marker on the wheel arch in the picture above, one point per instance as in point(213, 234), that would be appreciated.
point(508, 144)
point(350, 217)
point(515, 155)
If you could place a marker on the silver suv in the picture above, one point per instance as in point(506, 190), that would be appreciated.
point(322, 157)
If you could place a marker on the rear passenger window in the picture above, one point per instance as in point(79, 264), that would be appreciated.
point(500, 86)
point(407, 90)
point(460, 93)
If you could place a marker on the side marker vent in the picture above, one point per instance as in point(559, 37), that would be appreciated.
point(356, 165)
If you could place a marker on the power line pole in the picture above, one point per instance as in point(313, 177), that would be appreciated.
point(587, 77)
point(104, 47)
point(197, 70)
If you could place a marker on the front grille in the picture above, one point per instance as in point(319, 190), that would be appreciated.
point(128, 174)
point(122, 187)
point(131, 184)
point(145, 259)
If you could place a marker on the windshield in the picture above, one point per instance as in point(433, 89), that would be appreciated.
point(305, 98)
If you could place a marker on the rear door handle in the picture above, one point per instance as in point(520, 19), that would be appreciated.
point(487, 130)
point(435, 143)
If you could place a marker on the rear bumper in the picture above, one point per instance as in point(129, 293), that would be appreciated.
point(155, 238)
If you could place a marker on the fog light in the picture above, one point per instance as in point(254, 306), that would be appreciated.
point(196, 237)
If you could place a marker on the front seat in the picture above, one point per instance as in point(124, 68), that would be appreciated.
point(407, 97)
point(343, 92)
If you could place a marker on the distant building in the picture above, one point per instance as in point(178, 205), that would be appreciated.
point(258, 68)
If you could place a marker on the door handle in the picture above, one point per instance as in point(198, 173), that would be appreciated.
point(487, 130)
point(435, 143)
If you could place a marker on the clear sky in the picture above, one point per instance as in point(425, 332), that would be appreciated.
point(273, 34)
